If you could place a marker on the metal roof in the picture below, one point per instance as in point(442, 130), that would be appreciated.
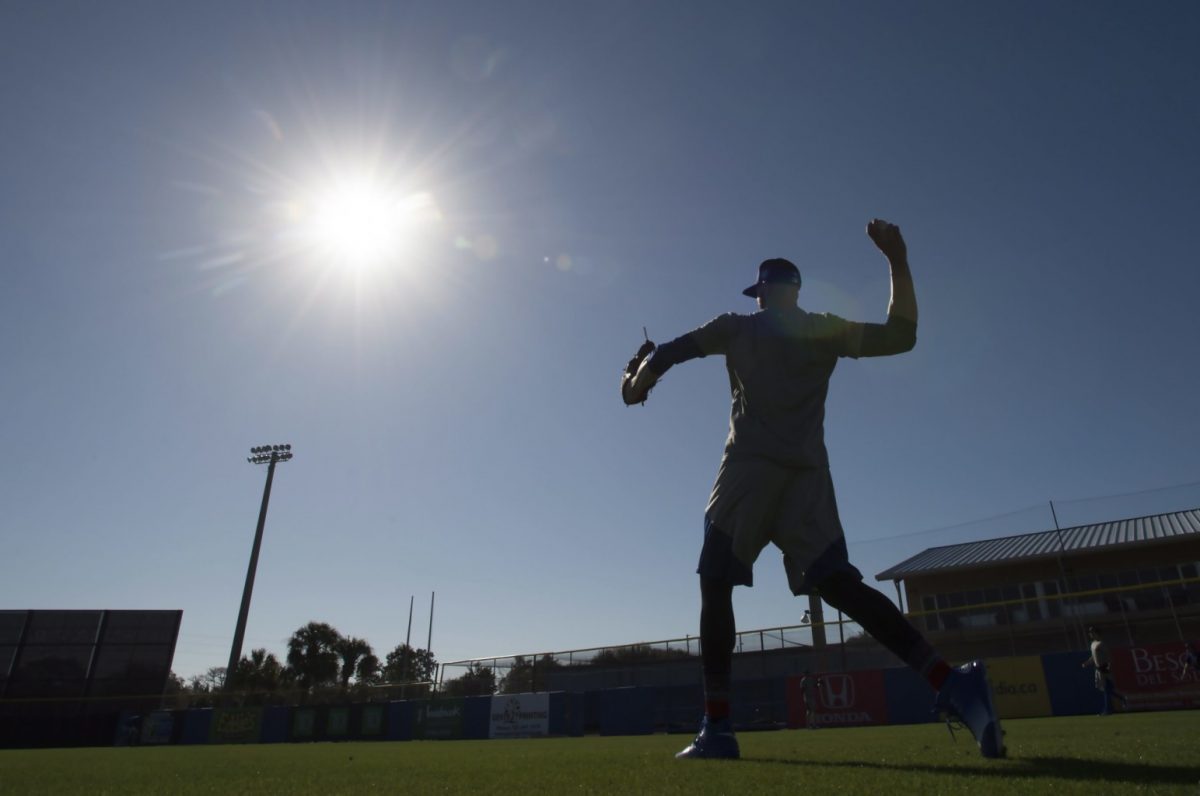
point(1010, 549)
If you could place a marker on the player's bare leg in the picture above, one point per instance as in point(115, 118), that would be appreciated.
point(964, 693)
point(716, 739)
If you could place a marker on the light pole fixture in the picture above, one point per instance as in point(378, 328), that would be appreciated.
point(269, 455)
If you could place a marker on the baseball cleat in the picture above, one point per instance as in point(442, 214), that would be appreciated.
point(715, 741)
point(966, 696)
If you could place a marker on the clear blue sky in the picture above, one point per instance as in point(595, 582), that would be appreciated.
point(581, 170)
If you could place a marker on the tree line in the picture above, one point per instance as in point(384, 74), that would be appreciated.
point(322, 664)
point(532, 674)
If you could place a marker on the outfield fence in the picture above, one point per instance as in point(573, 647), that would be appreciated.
point(1152, 677)
point(1161, 611)
point(1034, 646)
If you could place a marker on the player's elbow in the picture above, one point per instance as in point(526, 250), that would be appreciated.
point(901, 334)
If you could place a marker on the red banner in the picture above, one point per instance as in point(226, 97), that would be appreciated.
point(843, 699)
point(1151, 677)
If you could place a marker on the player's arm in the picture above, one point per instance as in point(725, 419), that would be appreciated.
point(899, 334)
point(644, 371)
point(888, 239)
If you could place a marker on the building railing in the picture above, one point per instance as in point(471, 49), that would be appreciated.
point(1074, 609)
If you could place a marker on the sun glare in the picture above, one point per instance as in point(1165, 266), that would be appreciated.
point(359, 224)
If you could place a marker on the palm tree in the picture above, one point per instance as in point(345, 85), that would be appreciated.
point(312, 655)
point(351, 650)
point(369, 671)
point(259, 671)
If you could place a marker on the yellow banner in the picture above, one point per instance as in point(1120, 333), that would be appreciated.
point(236, 725)
point(1019, 687)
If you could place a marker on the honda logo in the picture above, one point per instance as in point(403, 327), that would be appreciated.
point(837, 691)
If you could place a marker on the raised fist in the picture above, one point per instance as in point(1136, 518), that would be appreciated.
point(887, 237)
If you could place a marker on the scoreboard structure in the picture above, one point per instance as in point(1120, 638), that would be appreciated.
point(66, 675)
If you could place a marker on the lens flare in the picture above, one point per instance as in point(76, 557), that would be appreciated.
point(358, 224)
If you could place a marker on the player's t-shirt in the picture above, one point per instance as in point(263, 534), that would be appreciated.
point(773, 485)
point(779, 363)
point(1100, 656)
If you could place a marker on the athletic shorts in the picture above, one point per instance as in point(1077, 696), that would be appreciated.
point(754, 503)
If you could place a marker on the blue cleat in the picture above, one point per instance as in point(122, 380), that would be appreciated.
point(966, 696)
point(716, 741)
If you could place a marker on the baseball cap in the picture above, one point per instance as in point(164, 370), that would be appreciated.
point(776, 269)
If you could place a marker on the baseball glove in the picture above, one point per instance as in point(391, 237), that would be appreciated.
point(628, 394)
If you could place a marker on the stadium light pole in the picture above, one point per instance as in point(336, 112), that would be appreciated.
point(269, 455)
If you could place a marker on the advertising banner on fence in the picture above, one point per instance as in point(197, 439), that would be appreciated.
point(157, 727)
point(1019, 687)
point(236, 725)
point(842, 699)
point(304, 724)
point(520, 716)
point(337, 722)
point(372, 720)
point(439, 719)
point(1152, 677)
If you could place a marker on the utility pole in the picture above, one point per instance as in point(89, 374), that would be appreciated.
point(269, 455)
point(429, 642)
point(408, 636)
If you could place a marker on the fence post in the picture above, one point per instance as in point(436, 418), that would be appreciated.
point(1125, 617)
point(1174, 615)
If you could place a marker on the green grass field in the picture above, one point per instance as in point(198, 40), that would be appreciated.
point(1134, 753)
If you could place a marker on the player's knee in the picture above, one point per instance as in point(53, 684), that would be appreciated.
point(837, 586)
point(716, 590)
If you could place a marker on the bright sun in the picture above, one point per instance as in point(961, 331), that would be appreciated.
point(359, 224)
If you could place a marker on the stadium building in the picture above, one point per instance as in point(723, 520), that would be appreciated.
point(66, 676)
point(1137, 579)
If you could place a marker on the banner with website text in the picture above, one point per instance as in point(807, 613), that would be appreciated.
point(1019, 687)
point(1152, 677)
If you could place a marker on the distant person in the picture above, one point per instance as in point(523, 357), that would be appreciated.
point(1190, 660)
point(132, 730)
point(1100, 662)
point(774, 486)
point(809, 684)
